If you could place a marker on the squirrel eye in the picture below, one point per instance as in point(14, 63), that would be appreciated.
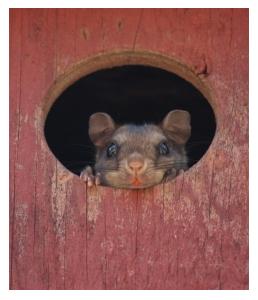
point(163, 149)
point(112, 150)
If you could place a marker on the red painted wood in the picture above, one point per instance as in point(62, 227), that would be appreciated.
point(191, 233)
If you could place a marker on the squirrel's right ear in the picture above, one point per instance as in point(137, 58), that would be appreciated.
point(101, 128)
point(176, 126)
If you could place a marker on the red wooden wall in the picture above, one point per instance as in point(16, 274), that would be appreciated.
point(191, 233)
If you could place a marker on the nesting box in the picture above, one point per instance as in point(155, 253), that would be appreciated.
point(189, 233)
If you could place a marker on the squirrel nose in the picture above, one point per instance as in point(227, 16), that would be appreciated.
point(136, 165)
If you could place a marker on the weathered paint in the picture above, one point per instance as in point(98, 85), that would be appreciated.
point(191, 233)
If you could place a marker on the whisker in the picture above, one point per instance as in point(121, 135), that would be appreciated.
point(195, 144)
point(82, 145)
point(177, 165)
point(177, 161)
point(78, 147)
point(92, 161)
point(75, 163)
point(110, 170)
point(170, 163)
point(74, 151)
point(198, 141)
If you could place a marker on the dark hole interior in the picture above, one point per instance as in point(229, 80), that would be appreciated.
point(135, 94)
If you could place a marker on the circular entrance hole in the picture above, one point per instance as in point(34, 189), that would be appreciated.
point(130, 94)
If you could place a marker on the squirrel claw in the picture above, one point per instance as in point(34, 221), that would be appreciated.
point(173, 173)
point(181, 171)
point(87, 176)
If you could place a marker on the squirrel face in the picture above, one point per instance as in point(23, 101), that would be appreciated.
point(139, 156)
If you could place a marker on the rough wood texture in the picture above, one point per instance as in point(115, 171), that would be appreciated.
point(191, 233)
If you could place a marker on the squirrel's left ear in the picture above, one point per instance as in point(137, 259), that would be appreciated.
point(101, 128)
point(176, 126)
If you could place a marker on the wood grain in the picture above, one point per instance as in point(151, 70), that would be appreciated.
point(191, 233)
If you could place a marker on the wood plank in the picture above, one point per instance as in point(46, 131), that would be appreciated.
point(15, 73)
point(191, 233)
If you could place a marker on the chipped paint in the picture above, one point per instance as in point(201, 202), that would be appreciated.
point(108, 246)
point(85, 33)
point(21, 215)
point(60, 191)
point(26, 118)
point(93, 204)
point(19, 166)
point(190, 233)
point(38, 117)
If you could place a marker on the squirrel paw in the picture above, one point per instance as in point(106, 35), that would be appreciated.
point(173, 173)
point(87, 176)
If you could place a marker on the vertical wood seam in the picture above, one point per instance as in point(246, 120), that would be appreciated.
point(18, 115)
point(86, 232)
point(138, 28)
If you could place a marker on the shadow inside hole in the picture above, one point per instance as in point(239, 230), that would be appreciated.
point(130, 94)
